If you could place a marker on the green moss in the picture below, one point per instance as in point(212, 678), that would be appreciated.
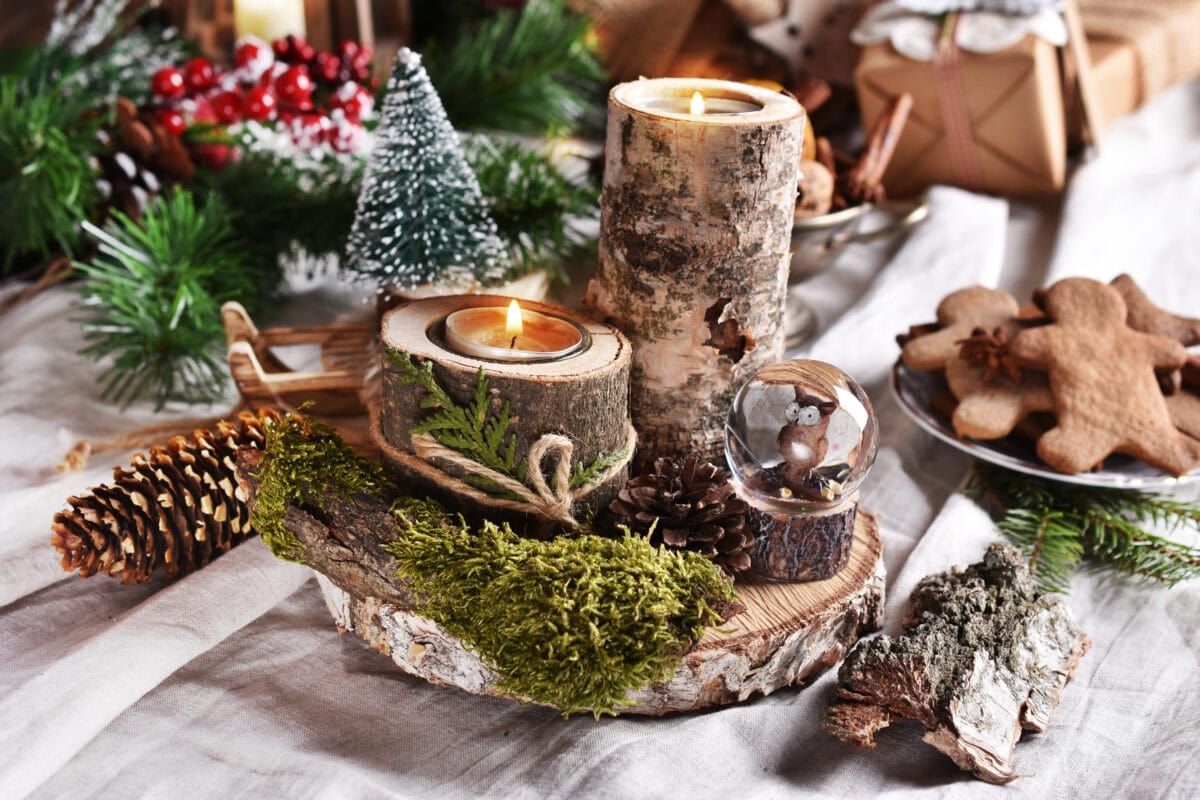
point(305, 462)
point(572, 622)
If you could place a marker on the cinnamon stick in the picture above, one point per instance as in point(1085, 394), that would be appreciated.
point(863, 183)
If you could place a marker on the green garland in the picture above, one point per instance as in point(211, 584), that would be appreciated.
point(571, 622)
point(1062, 526)
point(541, 215)
point(529, 71)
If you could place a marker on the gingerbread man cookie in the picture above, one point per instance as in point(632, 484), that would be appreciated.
point(990, 405)
point(991, 410)
point(1102, 376)
point(958, 315)
point(1146, 317)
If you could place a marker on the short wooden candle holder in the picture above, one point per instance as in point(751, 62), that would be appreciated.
point(569, 414)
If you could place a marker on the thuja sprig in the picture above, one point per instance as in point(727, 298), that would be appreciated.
point(1062, 527)
point(474, 430)
point(478, 430)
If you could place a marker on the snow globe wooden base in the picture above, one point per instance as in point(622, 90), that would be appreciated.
point(800, 440)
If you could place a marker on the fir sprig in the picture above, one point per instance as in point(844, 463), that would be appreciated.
point(1062, 526)
point(541, 215)
point(155, 291)
point(529, 71)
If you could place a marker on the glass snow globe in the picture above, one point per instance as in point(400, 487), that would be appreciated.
point(801, 435)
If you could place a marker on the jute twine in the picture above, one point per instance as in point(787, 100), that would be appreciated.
point(551, 500)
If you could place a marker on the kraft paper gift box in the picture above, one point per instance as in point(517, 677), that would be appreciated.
point(988, 122)
point(1137, 49)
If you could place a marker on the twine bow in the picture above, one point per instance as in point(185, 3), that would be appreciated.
point(550, 503)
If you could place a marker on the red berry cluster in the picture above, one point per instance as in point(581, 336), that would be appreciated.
point(321, 98)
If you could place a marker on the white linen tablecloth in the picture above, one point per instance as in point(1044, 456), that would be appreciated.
point(234, 683)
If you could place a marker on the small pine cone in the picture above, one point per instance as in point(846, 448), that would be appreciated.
point(173, 510)
point(139, 159)
point(696, 509)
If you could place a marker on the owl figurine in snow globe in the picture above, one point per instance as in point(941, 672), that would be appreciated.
point(800, 440)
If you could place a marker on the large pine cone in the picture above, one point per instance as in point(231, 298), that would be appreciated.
point(695, 507)
point(173, 510)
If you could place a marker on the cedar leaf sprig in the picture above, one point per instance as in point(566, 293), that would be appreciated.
point(479, 431)
point(474, 430)
point(1061, 527)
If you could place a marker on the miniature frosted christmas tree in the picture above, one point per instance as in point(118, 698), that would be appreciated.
point(421, 217)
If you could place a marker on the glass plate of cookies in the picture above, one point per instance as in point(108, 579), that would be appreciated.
point(926, 399)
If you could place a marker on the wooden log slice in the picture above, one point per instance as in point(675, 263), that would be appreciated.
point(788, 633)
point(585, 397)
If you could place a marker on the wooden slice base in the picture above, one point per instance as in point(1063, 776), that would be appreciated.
point(788, 633)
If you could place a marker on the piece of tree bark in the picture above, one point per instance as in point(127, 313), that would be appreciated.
point(788, 632)
point(585, 397)
point(983, 655)
point(695, 231)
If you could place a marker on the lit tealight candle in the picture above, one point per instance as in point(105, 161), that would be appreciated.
point(495, 333)
point(699, 104)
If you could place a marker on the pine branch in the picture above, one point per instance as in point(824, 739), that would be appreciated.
point(541, 215)
point(1062, 526)
point(155, 289)
point(47, 177)
point(529, 71)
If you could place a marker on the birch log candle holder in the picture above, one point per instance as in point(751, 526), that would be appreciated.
point(503, 410)
point(695, 226)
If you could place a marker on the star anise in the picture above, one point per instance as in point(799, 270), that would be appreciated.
point(990, 352)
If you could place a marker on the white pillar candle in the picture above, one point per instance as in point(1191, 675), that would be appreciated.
point(268, 19)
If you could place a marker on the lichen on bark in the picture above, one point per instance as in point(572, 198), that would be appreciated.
point(983, 654)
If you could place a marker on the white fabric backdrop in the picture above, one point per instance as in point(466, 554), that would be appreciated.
point(233, 682)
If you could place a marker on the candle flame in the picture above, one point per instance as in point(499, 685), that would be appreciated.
point(697, 103)
point(513, 325)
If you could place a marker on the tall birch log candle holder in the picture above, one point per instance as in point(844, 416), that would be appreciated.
point(695, 228)
point(548, 390)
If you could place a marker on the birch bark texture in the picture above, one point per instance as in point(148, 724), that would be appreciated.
point(695, 228)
